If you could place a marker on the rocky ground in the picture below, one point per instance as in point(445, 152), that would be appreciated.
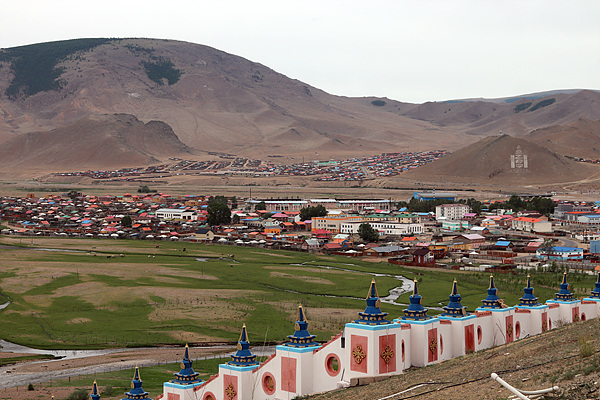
point(550, 359)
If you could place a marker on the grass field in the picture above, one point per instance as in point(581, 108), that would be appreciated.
point(70, 298)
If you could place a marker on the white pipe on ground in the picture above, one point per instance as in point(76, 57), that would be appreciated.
point(514, 391)
point(541, 391)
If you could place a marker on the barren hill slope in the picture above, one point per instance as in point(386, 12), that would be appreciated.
point(577, 139)
point(514, 118)
point(95, 142)
point(503, 160)
point(219, 102)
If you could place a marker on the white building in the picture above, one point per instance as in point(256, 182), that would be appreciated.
point(176, 213)
point(452, 212)
point(527, 224)
point(384, 227)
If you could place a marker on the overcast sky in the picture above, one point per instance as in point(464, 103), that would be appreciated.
point(412, 51)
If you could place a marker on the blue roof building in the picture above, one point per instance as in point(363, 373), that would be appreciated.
point(560, 253)
point(433, 195)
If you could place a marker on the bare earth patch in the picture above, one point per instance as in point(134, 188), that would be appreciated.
point(311, 269)
point(272, 254)
point(81, 320)
point(309, 279)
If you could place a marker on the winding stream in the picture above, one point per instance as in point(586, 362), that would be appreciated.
point(407, 284)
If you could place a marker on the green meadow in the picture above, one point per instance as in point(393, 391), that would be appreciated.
point(108, 293)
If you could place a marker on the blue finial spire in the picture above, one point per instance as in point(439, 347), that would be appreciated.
point(564, 293)
point(596, 291)
point(136, 392)
point(301, 338)
point(492, 300)
point(243, 357)
point(372, 314)
point(415, 310)
point(455, 307)
point(187, 375)
point(95, 395)
point(528, 298)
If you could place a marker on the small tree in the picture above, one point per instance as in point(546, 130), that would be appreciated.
point(73, 194)
point(260, 206)
point(145, 189)
point(126, 221)
point(309, 212)
point(367, 233)
point(218, 213)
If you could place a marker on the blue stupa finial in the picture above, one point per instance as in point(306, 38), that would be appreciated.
point(528, 299)
point(415, 310)
point(492, 300)
point(372, 314)
point(243, 357)
point(187, 375)
point(95, 395)
point(136, 392)
point(564, 293)
point(596, 292)
point(301, 337)
point(455, 307)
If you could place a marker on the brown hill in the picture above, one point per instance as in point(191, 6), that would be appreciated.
point(504, 160)
point(221, 103)
point(100, 141)
point(517, 118)
point(224, 103)
point(577, 139)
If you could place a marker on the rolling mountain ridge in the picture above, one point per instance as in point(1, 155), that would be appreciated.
point(218, 102)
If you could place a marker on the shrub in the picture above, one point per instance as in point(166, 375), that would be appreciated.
point(108, 391)
point(586, 347)
point(78, 394)
point(30, 387)
point(378, 103)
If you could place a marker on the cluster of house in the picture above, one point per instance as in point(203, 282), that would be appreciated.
point(353, 169)
point(373, 346)
point(417, 238)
